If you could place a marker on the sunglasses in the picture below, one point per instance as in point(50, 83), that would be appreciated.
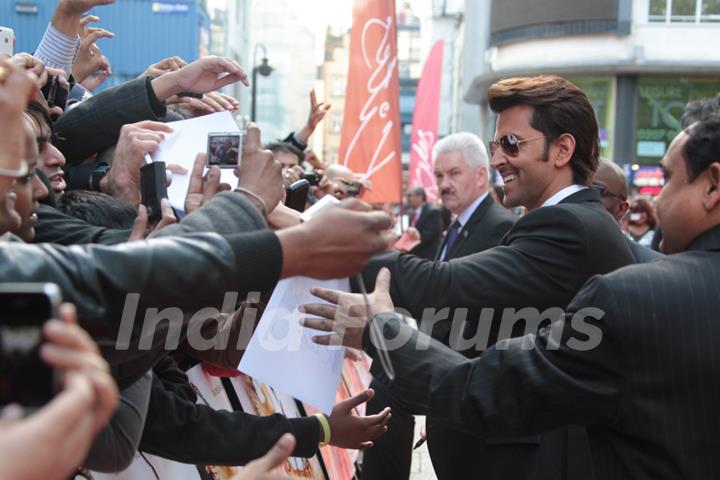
point(604, 192)
point(510, 144)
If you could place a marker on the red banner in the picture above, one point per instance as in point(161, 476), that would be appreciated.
point(370, 144)
point(425, 124)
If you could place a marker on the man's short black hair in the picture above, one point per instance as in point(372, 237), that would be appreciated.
point(286, 147)
point(697, 110)
point(703, 146)
point(97, 209)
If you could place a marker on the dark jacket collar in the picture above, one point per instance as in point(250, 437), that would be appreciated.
point(709, 241)
point(585, 195)
point(480, 210)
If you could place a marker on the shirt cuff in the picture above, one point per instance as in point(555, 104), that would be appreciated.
point(57, 50)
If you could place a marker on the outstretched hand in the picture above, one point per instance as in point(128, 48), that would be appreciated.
point(265, 467)
point(350, 431)
point(346, 315)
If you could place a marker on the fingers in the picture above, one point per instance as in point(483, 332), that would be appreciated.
point(278, 453)
point(94, 34)
point(68, 313)
point(154, 126)
point(334, 339)
point(382, 282)
point(212, 184)
point(196, 177)
point(178, 169)
point(313, 101)
point(88, 19)
point(222, 100)
point(212, 102)
point(321, 324)
point(347, 405)
point(252, 138)
point(139, 225)
point(331, 296)
point(167, 217)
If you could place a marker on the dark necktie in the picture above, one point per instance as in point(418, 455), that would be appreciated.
point(451, 237)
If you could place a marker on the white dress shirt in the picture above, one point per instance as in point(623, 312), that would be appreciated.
point(562, 195)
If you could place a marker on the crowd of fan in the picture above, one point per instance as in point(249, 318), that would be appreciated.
point(70, 201)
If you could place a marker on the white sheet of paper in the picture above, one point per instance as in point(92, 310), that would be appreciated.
point(282, 354)
point(188, 138)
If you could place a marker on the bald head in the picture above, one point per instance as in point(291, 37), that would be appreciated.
point(339, 172)
point(612, 179)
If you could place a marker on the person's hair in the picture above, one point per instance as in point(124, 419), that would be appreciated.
point(469, 144)
point(559, 107)
point(97, 209)
point(697, 110)
point(286, 147)
point(644, 204)
point(418, 191)
point(40, 115)
point(702, 147)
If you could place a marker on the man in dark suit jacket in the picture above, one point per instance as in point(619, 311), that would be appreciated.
point(633, 357)
point(461, 166)
point(462, 171)
point(546, 150)
point(427, 221)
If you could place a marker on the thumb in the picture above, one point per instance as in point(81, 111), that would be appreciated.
point(382, 282)
point(278, 453)
point(140, 225)
point(358, 399)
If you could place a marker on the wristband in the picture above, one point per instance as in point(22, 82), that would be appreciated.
point(325, 428)
point(263, 207)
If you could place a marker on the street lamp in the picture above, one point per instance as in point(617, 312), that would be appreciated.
point(263, 69)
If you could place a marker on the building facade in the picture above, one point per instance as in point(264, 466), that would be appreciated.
point(146, 31)
point(639, 61)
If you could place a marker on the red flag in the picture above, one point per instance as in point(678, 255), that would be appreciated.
point(370, 144)
point(425, 124)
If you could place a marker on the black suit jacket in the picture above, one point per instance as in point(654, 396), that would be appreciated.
point(647, 386)
point(539, 265)
point(430, 226)
point(486, 227)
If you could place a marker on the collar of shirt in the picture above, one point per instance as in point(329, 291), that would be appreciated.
point(465, 215)
point(562, 195)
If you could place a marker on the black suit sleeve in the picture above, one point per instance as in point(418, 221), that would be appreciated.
point(570, 373)
point(94, 124)
point(57, 227)
point(539, 263)
point(180, 430)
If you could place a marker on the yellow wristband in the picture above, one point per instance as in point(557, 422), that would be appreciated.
point(325, 428)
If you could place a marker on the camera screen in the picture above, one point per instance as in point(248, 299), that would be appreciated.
point(224, 149)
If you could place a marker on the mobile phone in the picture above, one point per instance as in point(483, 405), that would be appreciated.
point(153, 188)
point(312, 177)
point(225, 149)
point(297, 194)
point(24, 378)
point(55, 93)
point(7, 41)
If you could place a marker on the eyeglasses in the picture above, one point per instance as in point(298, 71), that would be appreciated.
point(510, 144)
point(604, 192)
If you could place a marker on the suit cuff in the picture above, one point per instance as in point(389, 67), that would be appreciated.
point(389, 324)
point(158, 107)
point(307, 436)
point(258, 259)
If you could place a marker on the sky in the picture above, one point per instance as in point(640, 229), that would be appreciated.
point(318, 14)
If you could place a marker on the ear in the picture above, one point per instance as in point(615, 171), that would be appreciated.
point(711, 198)
point(622, 209)
point(482, 176)
point(563, 149)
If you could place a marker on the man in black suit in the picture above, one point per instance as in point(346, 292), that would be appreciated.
point(462, 172)
point(463, 178)
point(427, 222)
point(546, 149)
point(633, 357)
